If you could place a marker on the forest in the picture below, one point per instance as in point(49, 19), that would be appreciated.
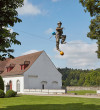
point(78, 77)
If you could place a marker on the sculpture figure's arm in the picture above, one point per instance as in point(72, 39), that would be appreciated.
point(59, 28)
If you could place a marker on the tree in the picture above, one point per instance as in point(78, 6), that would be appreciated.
point(77, 77)
point(73, 82)
point(98, 81)
point(93, 6)
point(8, 17)
point(81, 79)
point(1, 83)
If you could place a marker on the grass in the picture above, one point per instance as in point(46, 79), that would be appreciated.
point(49, 103)
point(82, 92)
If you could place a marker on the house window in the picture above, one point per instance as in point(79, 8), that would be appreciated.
point(44, 83)
point(23, 66)
point(10, 83)
point(42, 86)
point(10, 67)
point(18, 86)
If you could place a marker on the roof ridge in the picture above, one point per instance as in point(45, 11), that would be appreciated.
point(30, 53)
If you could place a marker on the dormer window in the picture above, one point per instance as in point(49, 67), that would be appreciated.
point(10, 67)
point(27, 62)
point(23, 66)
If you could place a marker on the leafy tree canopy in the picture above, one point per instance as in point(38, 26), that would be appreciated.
point(93, 7)
point(8, 17)
point(78, 77)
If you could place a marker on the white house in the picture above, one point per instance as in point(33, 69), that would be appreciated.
point(32, 71)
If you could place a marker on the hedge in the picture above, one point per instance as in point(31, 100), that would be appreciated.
point(2, 94)
point(11, 93)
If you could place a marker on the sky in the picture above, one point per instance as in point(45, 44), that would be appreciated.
point(39, 20)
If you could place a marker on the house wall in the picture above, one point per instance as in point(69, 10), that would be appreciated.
point(14, 82)
point(42, 72)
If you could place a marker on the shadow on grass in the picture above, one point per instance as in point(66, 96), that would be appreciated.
point(12, 97)
point(70, 106)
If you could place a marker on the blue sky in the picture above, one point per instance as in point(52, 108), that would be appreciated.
point(39, 20)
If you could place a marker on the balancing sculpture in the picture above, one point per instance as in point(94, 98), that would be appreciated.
point(59, 35)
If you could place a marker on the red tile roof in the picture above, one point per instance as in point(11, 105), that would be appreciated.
point(17, 61)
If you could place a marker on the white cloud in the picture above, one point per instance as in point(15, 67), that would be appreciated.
point(55, 0)
point(49, 31)
point(29, 9)
point(29, 52)
point(78, 54)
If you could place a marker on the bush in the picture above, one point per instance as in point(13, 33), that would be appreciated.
point(1, 84)
point(2, 94)
point(11, 93)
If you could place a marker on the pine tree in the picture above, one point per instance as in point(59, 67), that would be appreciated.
point(1, 83)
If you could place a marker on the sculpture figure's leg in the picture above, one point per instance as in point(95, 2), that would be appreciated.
point(63, 37)
point(57, 42)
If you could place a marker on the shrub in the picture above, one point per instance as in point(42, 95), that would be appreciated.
point(11, 93)
point(1, 84)
point(2, 94)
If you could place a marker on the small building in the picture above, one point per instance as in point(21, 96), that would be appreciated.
point(31, 71)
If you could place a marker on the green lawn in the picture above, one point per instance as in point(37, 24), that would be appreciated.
point(83, 92)
point(49, 103)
